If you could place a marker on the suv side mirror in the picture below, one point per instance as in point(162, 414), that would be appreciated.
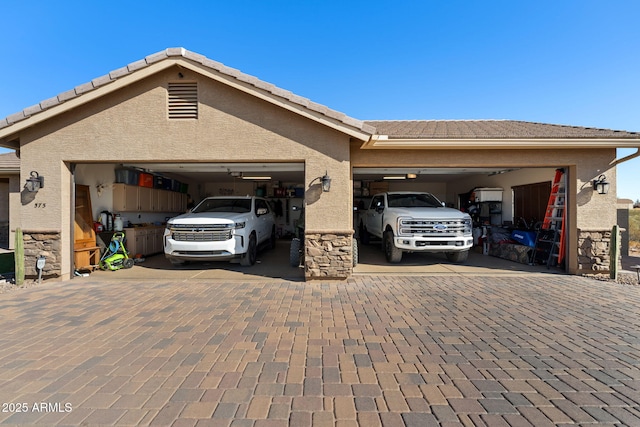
point(262, 211)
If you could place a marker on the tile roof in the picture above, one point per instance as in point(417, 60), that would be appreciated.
point(489, 129)
point(191, 56)
point(9, 162)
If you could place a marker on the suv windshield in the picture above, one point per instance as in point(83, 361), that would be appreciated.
point(223, 205)
point(413, 201)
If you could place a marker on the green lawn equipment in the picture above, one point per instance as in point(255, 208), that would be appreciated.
point(116, 256)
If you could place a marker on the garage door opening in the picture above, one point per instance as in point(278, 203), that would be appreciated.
point(507, 207)
point(118, 191)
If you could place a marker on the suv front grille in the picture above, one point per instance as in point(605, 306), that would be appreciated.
point(202, 233)
point(434, 227)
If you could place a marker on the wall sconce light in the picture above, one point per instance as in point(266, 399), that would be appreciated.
point(326, 182)
point(601, 185)
point(34, 183)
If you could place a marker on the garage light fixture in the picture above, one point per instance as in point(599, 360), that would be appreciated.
point(601, 185)
point(257, 178)
point(34, 183)
point(394, 177)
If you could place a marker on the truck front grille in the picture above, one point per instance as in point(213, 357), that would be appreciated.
point(202, 233)
point(434, 227)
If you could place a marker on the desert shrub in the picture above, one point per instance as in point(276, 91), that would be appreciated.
point(634, 225)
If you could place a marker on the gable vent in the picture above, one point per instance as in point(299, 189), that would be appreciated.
point(183, 100)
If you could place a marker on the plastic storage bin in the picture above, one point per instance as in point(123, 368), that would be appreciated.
point(145, 180)
point(158, 181)
point(127, 176)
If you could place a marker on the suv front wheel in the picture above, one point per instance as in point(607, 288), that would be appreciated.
point(249, 258)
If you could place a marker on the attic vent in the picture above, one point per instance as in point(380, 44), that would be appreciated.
point(183, 100)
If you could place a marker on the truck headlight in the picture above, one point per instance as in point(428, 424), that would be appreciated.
point(403, 229)
point(240, 225)
point(467, 226)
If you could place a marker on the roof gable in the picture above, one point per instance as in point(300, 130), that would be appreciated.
point(159, 61)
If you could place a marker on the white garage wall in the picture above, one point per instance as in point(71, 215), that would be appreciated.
point(438, 189)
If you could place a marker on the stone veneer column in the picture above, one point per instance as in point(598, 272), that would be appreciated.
point(594, 251)
point(42, 243)
point(328, 254)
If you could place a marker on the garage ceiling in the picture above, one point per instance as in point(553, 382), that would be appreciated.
point(294, 172)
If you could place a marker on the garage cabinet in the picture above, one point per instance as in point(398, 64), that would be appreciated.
point(132, 198)
point(144, 240)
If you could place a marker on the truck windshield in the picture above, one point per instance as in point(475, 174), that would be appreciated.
point(413, 201)
point(223, 205)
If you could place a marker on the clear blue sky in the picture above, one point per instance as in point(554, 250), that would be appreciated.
point(573, 62)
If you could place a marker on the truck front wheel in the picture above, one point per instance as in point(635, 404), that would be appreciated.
point(458, 257)
point(393, 254)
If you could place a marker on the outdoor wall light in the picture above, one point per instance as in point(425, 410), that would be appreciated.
point(34, 183)
point(601, 185)
point(325, 180)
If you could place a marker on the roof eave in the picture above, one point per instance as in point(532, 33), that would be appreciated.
point(9, 135)
point(382, 142)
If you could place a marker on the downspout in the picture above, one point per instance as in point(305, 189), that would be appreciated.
point(616, 162)
point(72, 263)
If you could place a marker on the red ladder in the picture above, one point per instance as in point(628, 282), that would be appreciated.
point(555, 216)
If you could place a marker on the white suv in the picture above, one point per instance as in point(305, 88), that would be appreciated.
point(221, 228)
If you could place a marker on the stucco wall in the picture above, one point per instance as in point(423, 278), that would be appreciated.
point(131, 125)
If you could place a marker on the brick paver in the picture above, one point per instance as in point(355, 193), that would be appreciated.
point(390, 351)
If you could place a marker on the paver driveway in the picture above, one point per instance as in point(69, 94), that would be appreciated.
point(526, 350)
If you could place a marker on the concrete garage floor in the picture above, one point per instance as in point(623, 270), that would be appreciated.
point(274, 264)
point(271, 264)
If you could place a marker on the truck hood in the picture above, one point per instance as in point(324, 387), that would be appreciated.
point(209, 218)
point(434, 213)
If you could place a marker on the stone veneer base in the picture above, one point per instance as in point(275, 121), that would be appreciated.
point(328, 254)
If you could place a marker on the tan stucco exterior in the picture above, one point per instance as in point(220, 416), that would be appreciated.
point(239, 120)
point(132, 126)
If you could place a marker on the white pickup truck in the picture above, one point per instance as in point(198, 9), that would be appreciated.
point(416, 222)
point(221, 228)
